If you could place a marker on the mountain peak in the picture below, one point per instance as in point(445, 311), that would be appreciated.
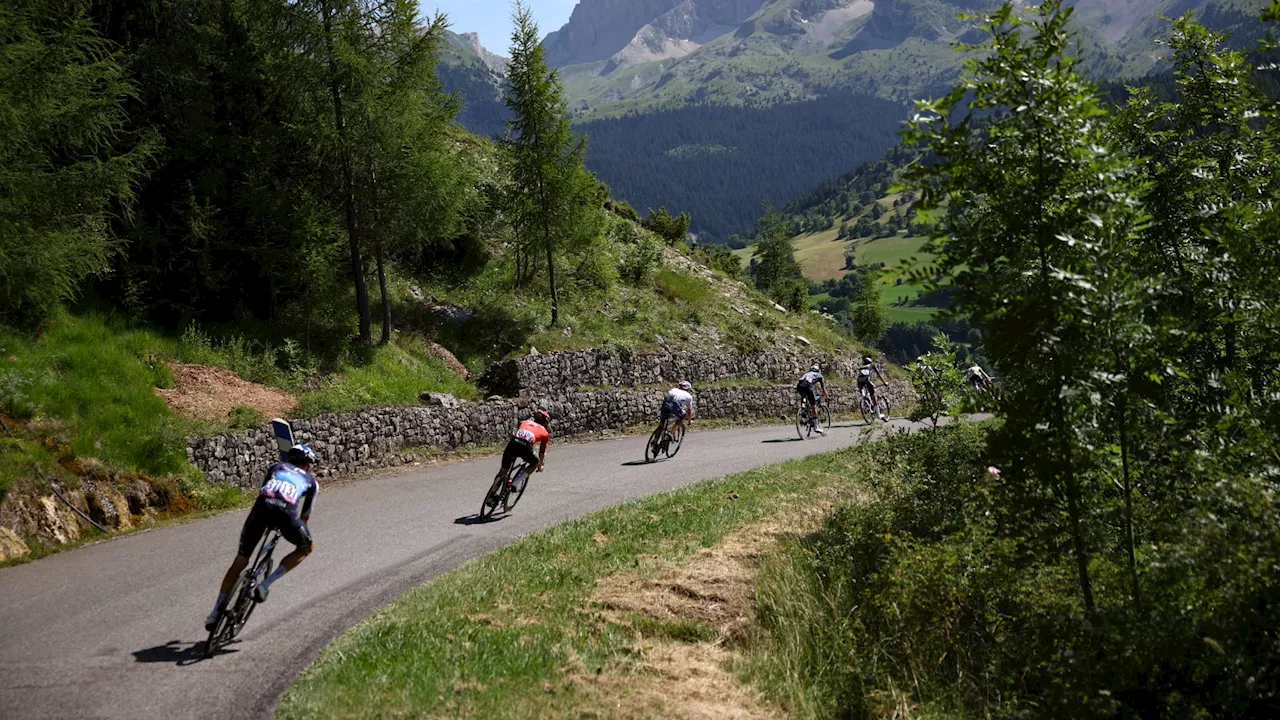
point(470, 42)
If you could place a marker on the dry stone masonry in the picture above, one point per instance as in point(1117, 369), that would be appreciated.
point(382, 437)
point(550, 373)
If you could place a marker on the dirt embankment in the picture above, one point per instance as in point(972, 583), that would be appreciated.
point(203, 392)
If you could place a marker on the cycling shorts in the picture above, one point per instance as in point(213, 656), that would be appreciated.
point(268, 514)
point(518, 449)
point(865, 381)
point(807, 390)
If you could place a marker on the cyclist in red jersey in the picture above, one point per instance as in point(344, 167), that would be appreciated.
point(533, 430)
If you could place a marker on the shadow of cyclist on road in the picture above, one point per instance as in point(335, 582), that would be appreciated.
point(174, 652)
point(477, 520)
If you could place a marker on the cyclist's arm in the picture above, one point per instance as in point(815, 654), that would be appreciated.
point(542, 453)
point(823, 384)
point(307, 501)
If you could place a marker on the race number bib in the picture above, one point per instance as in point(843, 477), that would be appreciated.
point(525, 435)
point(282, 489)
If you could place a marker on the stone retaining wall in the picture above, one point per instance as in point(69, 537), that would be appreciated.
point(350, 442)
point(533, 374)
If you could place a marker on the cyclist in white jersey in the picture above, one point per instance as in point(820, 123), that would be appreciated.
point(864, 382)
point(979, 378)
point(678, 404)
point(807, 387)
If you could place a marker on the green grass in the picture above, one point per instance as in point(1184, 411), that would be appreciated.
point(394, 375)
point(676, 286)
point(504, 635)
point(93, 378)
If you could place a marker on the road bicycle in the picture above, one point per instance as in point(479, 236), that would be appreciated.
point(807, 421)
point(507, 489)
point(241, 605)
point(664, 440)
point(870, 411)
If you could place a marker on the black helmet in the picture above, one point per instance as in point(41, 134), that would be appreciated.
point(300, 454)
point(542, 417)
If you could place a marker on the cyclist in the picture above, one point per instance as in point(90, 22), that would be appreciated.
point(807, 388)
point(979, 379)
point(678, 404)
point(864, 382)
point(284, 503)
point(533, 430)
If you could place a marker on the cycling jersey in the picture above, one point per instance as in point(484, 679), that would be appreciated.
point(531, 432)
point(812, 378)
point(864, 375)
point(678, 400)
point(285, 485)
point(976, 372)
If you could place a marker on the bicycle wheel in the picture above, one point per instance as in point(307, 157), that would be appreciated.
point(673, 445)
point(801, 421)
point(246, 603)
point(884, 407)
point(865, 406)
point(824, 418)
point(519, 483)
point(653, 446)
point(493, 497)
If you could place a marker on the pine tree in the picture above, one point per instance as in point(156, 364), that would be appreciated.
point(553, 195)
point(67, 166)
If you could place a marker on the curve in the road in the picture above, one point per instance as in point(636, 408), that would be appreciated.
point(113, 630)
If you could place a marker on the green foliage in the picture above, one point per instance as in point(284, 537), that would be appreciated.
point(1121, 273)
point(555, 204)
point(773, 266)
point(937, 381)
point(67, 163)
point(670, 228)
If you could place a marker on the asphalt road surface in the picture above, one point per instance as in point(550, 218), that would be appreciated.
point(115, 629)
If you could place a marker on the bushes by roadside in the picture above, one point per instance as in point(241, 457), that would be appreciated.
point(929, 601)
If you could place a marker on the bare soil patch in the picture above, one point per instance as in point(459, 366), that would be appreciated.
point(211, 393)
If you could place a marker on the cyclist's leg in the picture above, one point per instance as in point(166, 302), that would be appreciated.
point(250, 534)
point(509, 456)
point(295, 531)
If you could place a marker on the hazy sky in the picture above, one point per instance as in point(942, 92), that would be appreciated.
point(492, 18)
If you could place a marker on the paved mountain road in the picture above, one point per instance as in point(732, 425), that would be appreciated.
point(114, 630)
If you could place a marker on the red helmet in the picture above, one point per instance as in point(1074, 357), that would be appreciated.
point(542, 417)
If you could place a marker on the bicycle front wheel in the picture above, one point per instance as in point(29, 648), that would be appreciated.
point(824, 418)
point(677, 437)
point(519, 483)
point(884, 406)
point(865, 406)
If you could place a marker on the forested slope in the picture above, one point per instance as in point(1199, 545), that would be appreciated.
point(724, 164)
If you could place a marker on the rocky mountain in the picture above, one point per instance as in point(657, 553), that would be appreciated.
point(475, 74)
point(623, 55)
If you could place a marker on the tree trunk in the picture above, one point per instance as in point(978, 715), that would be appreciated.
point(382, 287)
point(1128, 502)
point(348, 186)
point(380, 256)
point(551, 275)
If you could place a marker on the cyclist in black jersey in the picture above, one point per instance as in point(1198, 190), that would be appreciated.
point(284, 503)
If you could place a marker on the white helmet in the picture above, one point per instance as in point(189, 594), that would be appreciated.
point(815, 368)
point(686, 386)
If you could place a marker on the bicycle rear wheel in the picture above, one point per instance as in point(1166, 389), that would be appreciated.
point(493, 497)
point(802, 421)
point(520, 482)
point(673, 446)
